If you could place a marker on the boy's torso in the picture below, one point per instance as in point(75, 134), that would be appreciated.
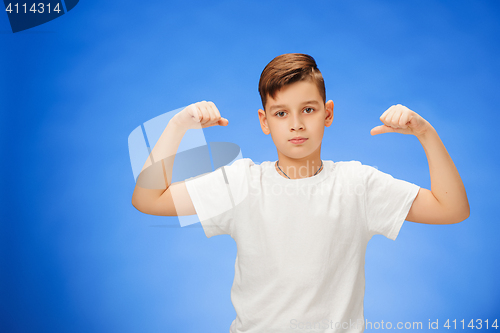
point(301, 247)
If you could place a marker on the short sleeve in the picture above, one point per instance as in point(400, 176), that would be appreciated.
point(216, 195)
point(387, 201)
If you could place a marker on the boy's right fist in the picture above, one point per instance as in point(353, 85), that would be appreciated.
point(202, 114)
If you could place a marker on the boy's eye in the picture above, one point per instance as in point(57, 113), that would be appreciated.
point(279, 113)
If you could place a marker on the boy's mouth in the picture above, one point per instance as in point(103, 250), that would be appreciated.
point(298, 140)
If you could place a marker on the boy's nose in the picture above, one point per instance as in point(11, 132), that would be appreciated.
point(297, 123)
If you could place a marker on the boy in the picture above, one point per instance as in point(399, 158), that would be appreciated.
point(301, 224)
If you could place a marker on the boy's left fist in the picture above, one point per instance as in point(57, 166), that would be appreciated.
point(400, 119)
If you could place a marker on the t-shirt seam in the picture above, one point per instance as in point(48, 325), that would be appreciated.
point(398, 217)
point(366, 224)
point(201, 212)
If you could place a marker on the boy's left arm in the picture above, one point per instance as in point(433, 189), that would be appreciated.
point(446, 202)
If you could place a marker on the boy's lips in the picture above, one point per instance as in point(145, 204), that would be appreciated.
point(298, 140)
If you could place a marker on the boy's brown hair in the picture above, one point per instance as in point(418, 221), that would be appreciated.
point(287, 69)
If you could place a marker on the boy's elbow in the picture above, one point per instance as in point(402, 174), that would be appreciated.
point(140, 208)
point(460, 216)
point(466, 213)
point(136, 203)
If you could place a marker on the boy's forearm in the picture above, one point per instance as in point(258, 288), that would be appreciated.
point(446, 184)
point(156, 174)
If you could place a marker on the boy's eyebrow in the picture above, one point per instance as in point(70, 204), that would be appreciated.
point(285, 106)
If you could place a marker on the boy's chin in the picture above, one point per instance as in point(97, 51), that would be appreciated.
point(295, 155)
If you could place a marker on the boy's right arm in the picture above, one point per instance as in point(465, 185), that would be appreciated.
point(154, 194)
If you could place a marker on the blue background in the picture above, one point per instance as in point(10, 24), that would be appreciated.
point(76, 256)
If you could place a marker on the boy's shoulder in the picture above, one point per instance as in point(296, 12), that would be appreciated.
point(357, 169)
point(241, 163)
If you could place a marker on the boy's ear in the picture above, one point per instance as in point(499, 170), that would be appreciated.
point(329, 113)
point(263, 122)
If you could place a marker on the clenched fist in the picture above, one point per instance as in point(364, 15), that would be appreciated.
point(202, 114)
point(400, 119)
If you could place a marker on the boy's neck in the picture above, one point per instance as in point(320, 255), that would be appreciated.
point(299, 168)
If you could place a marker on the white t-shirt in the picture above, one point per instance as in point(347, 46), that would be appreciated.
point(301, 243)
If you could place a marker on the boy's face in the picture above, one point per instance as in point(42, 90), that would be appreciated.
point(296, 111)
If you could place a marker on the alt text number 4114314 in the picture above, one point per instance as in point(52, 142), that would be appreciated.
point(478, 324)
point(35, 8)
